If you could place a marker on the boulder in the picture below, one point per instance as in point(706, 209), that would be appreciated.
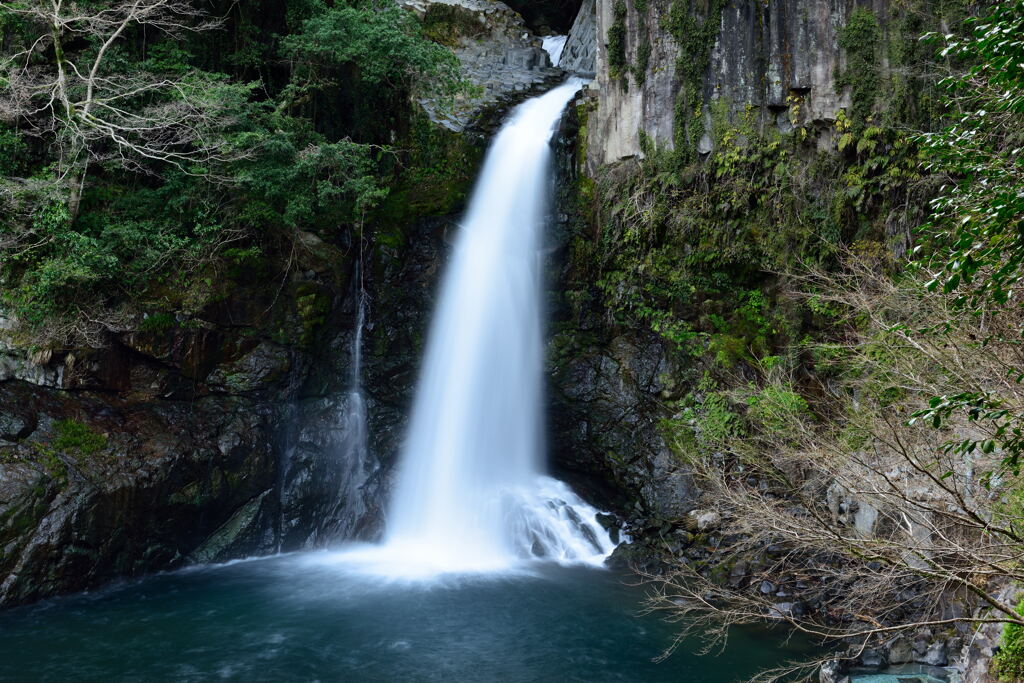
point(900, 651)
point(833, 671)
point(935, 655)
point(705, 520)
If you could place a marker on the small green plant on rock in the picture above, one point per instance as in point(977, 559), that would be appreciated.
point(77, 438)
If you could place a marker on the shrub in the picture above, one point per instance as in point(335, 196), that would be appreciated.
point(1009, 661)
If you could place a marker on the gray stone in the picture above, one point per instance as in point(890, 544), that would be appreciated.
point(874, 658)
point(775, 61)
point(833, 671)
point(900, 651)
point(935, 655)
point(580, 52)
point(706, 520)
point(505, 62)
point(14, 426)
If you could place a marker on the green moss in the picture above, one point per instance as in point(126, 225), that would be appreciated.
point(157, 323)
point(74, 437)
point(695, 36)
point(643, 61)
point(616, 46)
point(312, 306)
point(618, 61)
point(448, 24)
point(860, 38)
point(437, 173)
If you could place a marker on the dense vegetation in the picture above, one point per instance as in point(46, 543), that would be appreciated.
point(846, 324)
point(153, 154)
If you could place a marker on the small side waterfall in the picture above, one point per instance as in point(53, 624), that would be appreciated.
point(352, 455)
point(354, 451)
point(471, 493)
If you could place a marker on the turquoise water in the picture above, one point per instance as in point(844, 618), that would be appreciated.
point(306, 618)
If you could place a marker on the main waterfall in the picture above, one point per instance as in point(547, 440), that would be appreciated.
point(471, 492)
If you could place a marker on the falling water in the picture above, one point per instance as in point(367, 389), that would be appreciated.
point(355, 443)
point(471, 493)
point(353, 464)
point(554, 46)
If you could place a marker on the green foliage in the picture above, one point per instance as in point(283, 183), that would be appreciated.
point(777, 408)
point(984, 408)
point(616, 46)
point(974, 244)
point(696, 37)
point(384, 42)
point(316, 145)
point(77, 438)
point(705, 420)
point(13, 152)
point(860, 39)
point(1009, 660)
point(686, 253)
point(157, 323)
point(618, 61)
point(298, 178)
point(976, 235)
point(717, 425)
point(448, 24)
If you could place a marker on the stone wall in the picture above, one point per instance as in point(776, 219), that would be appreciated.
point(503, 59)
point(769, 62)
point(580, 53)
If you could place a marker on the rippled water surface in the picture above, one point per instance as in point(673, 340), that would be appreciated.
point(308, 617)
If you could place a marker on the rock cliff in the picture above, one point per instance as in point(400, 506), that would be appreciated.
point(221, 436)
point(667, 70)
point(500, 57)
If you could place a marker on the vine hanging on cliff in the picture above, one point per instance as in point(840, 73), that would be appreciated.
point(695, 37)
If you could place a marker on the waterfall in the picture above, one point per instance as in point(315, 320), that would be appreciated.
point(353, 453)
point(471, 494)
point(354, 448)
point(554, 45)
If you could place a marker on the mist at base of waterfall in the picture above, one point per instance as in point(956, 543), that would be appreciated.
point(550, 524)
point(302, 618)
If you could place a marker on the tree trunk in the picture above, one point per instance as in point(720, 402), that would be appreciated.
point(77, 180)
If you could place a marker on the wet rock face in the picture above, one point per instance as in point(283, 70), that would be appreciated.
point(580, 53)
point(498, 54)
point(771, 62)
point(604, 418)
point(159, 480)
point(606, 386)
point(203, 443)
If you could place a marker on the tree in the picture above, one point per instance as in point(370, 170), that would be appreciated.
point(896, 504)
point(852, 523)
point(63, 85)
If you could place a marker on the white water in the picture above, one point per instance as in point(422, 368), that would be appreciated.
point(471, 492)
point(355, 448)
point(554, 45)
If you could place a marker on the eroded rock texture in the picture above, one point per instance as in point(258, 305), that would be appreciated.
point(498, 53)
point(774, 63)
point(607, 386)
point(234, 433)
point(580, 53)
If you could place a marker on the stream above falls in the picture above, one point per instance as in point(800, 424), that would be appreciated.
point(302, 617)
